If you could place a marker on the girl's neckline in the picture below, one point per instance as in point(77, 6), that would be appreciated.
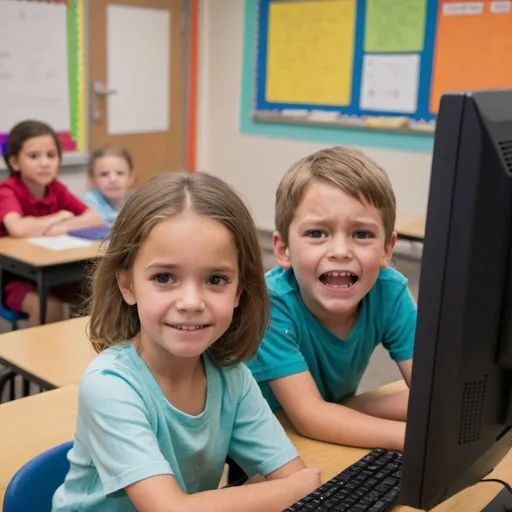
point(191, 420)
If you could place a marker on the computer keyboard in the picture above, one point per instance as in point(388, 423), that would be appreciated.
point(370, 485)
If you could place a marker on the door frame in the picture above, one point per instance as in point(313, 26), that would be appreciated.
point(190, 28)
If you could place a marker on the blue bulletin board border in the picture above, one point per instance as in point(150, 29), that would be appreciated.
point(425, 75)
point(422, 142)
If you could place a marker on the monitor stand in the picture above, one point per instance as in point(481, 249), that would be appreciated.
point(502, 503)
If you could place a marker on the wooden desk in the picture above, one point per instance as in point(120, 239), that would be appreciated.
point(45, 267)
point(52, 355)
point(332, 459)
point(31, 425)
point(410, 226)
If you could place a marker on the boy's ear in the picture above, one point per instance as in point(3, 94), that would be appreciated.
point(388, 251)
point(124, 282)
point(281, 251)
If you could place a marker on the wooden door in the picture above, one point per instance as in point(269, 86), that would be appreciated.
point(138, 46)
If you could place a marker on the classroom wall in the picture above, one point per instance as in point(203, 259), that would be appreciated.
point(255, 164)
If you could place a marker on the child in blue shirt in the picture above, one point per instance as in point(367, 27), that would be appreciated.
point(334, 299)
point(111, 175)
point(178, 301)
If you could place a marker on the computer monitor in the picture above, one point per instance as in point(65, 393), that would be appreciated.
point(459, 416)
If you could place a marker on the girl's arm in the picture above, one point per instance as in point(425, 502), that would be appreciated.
point(162, 494)
point(24, 227)
point(87, 219)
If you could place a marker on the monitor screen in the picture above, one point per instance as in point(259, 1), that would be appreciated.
point(459, 424)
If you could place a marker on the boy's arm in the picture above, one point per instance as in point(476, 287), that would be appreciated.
point(315, 418)
point(24, 227)
point(162, 494)
point(89, 218)
point(405, 368)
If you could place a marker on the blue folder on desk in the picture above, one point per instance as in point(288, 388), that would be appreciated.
point(95, 233)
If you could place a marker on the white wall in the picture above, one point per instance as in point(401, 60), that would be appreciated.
point(255, 164)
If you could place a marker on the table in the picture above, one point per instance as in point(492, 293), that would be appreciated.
point(52, 355)
point(410, 226)
point(45, 267)
point(332, 459)
point(31, 425)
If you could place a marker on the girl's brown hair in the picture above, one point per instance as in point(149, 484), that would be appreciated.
point(114, 321)
point(108, 150)
point(21, 133)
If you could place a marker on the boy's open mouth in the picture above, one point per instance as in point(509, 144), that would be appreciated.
point(338, 279)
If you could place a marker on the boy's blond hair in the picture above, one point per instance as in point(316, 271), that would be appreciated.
point(350, 170)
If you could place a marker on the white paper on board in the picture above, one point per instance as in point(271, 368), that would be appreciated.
point(390, 83)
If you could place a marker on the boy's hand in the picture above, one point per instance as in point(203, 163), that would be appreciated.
point(56, 230)
point(305, 481)
point(63, 215)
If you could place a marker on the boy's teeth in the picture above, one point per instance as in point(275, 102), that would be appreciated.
point(188, 327)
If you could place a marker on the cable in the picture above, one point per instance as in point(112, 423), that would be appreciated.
point(498, 481)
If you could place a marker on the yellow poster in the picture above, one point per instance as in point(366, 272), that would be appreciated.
point(310, 52)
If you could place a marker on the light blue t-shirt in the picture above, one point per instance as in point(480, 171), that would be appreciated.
point(127, 431)
point(98, 202)
point(296, 341)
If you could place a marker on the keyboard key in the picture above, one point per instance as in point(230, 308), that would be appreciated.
point(390, 481)
point(369, 485)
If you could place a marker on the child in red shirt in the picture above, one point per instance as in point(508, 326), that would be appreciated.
point(34, 203)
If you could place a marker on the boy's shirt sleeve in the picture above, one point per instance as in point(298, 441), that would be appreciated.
point(123, 447)
point(279, 354)
point(8, 203)
point(91, 200)
point(401, 329)
point(258, 442)
point(68, 201)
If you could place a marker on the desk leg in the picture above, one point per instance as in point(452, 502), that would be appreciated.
point(42, 292)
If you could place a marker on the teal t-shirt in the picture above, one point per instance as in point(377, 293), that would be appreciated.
point(127, 431)
point(296, 341)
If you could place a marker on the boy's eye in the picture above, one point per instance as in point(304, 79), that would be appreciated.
point(363, 235)
point(162, 278)
point(216, 280)
point(316, 233)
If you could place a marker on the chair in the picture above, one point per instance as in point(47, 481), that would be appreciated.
point(13, 317)
point(31, 489)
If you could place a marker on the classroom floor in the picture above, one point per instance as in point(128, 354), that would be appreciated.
point(382, 369)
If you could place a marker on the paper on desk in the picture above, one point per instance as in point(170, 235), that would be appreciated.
point(60, 243)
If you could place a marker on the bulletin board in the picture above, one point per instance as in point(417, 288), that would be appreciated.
point(42, 71)
point(381, 63)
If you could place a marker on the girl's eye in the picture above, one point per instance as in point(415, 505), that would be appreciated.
point(363, 235)
point(316, 233)
point(216, 280)
point(162, 278)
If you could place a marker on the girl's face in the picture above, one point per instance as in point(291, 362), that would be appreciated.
point(38, 161)
point(185, 284)
point(112, 176)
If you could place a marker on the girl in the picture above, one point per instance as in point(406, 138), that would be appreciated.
point(110, 172)
point(178, 301)
point(34, 203)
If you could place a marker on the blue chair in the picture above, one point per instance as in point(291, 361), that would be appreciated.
point(13, 317)
point(31, 489)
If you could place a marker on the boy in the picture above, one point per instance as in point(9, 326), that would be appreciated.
point(334, 299)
